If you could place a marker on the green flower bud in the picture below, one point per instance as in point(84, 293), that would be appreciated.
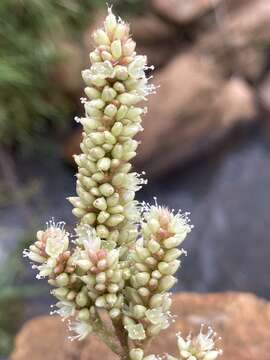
point(114, 313)
point(110, 110)
point(116, 49)
point(101, 302)
point(110, 23)
point(112, 258)
point(153, 246)
point(81, 299)
point(100, 203)
point(98, 81)
point(97, 103)
point(117, 151)
point(89, 280)
point(129, 47)
point(98, 177)
point(92, 111)
point(156, 301)
point(117, 128)
point(116, 277)
point(166, 283)
point(89, 124)
point(105, 55)
point(118, 179)
point(89, 218)
point(111, 299)
point(121, 113)
point(119, 87)
point(138, 311)
point(101, 38)
point(84, 264)
point(60, 293)
point(135, 332)
point(104, 164)
point(92, 93)
point(97, 138)
point(142, 252)
point(156, 274)
point(131, 130)
point(106, 189)
point(143, 292)
point(172, 254)
point(108, 94)
point(71, 295)
point(102, 217)
point(133, 112)
point(142, 278)
point(78, 212)
point(121, 72)
point(94, 57)
point(154, 225)
point(101, 277)
point(113, 288)
point(120, 31)
point(136, 354)
point(128, 99)
point(109, 138)
point(172, 242)
point(118, 209)
point(115, 220)
point(97, 152)
point(102, 231)
point(83, 315)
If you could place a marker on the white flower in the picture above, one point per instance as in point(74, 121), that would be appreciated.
point(135, 331)
point(65, 309)
point(158, 317)
point(103, 69)
point(201, 347)
point(81, 328)
point(86, 236)
point(137, 66)
point(55, 238)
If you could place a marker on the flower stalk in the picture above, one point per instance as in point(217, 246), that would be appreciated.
point(125, 254)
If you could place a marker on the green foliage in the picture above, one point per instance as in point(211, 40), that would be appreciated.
point(30, 31)
point(12, 295)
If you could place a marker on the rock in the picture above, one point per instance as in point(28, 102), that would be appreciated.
point(241, 319)
point(264, 94)
point(151, 29)
point(193, 109)
point(182, 11)
point(241, 29)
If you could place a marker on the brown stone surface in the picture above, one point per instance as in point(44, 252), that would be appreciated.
point(193, 109)
point(264, 93)
point(242, 320)
point(183, 11)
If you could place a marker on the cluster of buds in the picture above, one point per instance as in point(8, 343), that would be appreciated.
point(125, 255)
point(155, 261)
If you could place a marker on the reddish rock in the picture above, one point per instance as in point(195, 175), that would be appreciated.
point(193, 109)
point(242, 320)
point(183, 11)
point(264, 94)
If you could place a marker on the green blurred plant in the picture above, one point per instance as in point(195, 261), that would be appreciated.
point(12, 295)
point(30, 31)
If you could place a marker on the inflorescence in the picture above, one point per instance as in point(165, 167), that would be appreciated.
point(124, 255)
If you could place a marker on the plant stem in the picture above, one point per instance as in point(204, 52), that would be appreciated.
point(106, 336)
point(121, 335)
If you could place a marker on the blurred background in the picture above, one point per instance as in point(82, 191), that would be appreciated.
point(205, 147)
